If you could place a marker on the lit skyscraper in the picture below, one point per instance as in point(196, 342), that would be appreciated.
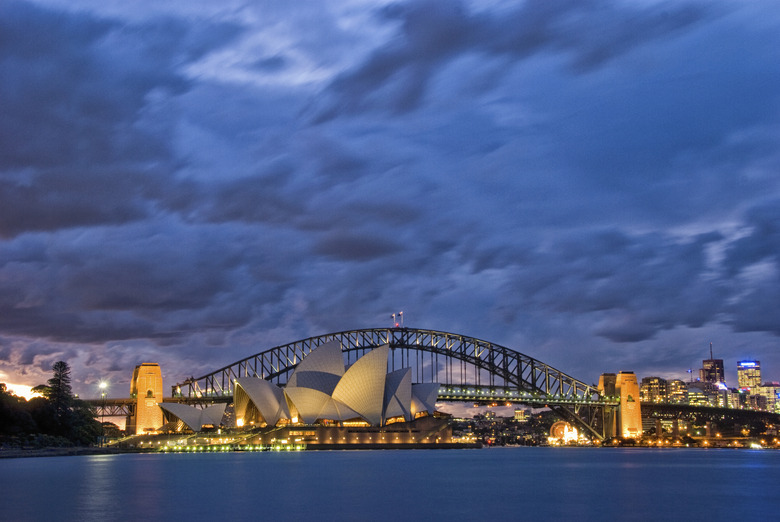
point(678, 391)
point(654, 389)
point(749, 374)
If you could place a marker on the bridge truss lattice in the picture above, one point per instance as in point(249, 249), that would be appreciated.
point(434, 357)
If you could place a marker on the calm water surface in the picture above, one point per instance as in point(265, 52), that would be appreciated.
point(607, 484)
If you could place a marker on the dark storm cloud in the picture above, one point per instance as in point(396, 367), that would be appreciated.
point(753, 262)
point(351, 247)
point(590, 33)
point(260, 198)
point(64, 199)
point(74, 147)
point(590, 182)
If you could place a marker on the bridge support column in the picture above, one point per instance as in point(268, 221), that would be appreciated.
point(659, 429)
point(709, 429)
point(146, 389)
point(676, 428)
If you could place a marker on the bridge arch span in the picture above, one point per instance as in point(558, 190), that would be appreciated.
point(446, 358)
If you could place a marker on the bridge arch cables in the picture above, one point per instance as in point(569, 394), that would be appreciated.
point(452, 360)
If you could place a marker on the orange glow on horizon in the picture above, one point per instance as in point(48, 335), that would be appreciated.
point(21, 390)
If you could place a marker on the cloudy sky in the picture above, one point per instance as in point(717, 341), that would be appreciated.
point(593, 183)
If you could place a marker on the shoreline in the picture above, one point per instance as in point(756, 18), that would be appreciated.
point(16, 453)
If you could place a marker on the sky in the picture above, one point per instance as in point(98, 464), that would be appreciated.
point(592, 183)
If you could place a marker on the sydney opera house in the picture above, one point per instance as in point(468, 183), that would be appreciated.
point(326, 403)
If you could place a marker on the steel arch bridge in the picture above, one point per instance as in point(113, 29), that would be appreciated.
point(469, 369)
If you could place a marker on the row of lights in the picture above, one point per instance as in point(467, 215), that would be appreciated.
point(248, 447)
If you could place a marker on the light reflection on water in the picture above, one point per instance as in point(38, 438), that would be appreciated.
point(497, 483)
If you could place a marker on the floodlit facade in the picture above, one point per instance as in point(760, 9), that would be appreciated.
point(321, 390)
point(147, 390)
point(629, 413)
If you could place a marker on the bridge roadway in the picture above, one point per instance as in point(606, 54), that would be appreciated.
point(497, 395)
point(485, 395)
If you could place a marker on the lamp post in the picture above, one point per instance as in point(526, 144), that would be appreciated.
point(103, 385)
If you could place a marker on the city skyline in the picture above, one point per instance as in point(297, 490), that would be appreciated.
point(594, 184)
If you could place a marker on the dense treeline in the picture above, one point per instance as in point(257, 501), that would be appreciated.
point(57, 418)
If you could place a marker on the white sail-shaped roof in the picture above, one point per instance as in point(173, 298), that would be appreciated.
point(362, 388)
point(213, 414)
point(321, 388)
point(424, 397)
point(308, 402)
point(398, 394)
point(326, 358)
point(195, 418)
point(321, 381)
point(266, 398)
point(335, 410)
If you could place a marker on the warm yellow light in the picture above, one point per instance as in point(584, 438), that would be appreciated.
point(22, 390)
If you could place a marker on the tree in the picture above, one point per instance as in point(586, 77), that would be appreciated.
point(59, 413)
point(14, 419)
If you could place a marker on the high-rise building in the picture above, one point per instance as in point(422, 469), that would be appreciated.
point(712, 371)
point(748, 374)
point(654, 389)
point(678, 391)
point(770, 390)
point(702, 393)
point(147, 390)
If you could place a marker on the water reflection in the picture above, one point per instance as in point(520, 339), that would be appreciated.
point(498, 483)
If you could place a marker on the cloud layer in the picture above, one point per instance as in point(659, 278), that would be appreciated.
point(591, 183)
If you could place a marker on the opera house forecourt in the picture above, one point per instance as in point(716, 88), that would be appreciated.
point(326, 405)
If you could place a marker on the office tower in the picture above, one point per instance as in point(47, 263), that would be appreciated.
point(678, 391)
point(748, 374)
point(654, 389)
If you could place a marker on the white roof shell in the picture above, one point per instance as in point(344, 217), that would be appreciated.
point(266, 397)
point(398, 394)
point(362, 388)
point(326, 359)
point(321, 388)
point(424, 397)
point(195, 418)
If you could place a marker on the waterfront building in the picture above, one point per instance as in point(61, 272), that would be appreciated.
point(322, 390)
point(654, 389)
point(146, 388)
point(748, 374)
point(678, 391)
point(520, 415)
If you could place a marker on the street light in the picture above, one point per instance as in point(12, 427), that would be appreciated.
point(103, 385)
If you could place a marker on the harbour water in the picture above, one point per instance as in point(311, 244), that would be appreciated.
point(489, 484)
